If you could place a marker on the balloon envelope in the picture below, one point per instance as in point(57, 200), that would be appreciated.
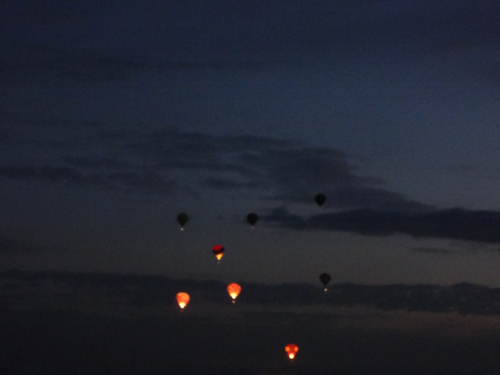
point(252, 218)
point(291, 350)
point(182, 219)
point(234, 290)
point(182, 299)
point(320, 199)
point(218, 251)
point(325, 279)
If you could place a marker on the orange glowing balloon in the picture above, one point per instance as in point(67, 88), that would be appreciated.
point(291, 350)
point(182, 299)
point(234, 290)
point(218, 251)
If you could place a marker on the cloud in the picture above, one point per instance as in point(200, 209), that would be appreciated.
point(154, 294)
point(39, 63)
point(281, 170)
point(10, 246)
point(433, 250)
point(225, 34)
point(287, 172)
point(123, 180)
point(119, 323)
point(168, 161)
point(457, 224)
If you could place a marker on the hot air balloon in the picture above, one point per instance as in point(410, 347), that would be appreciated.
point(234, 290)
point(182, 219)
point(218, 251)
point(182, 299)
point(325, 279)
point(320, 199)
point(252, 218)
point(291, 350)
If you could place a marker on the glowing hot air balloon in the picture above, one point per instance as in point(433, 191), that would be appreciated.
point(182, 299)
point(291, 350)
point(218, 251)
point(182, 219)
point(252, 219)
point(320, 199)
point(325, 279)
point(234, 290)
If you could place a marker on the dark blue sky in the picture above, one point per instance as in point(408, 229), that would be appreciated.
point(116, 116)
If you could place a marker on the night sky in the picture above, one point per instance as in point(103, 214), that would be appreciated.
point(115, 116)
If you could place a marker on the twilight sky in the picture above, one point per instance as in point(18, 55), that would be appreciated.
point(117, 116)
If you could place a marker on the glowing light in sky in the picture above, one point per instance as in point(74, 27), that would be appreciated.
point(291, 350)
point(182, 299)
point(234, 290)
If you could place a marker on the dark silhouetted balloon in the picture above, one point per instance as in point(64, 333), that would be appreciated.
point(320, 199)
point(325, 279)
point(182, 219)
point(218, 251)
point(252, 218)
point(291, 350)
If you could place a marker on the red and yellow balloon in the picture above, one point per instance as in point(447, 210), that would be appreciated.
point(291, 350)
point(218, 251)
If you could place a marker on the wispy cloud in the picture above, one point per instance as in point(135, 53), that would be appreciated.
point(434, 250)
point(457, 224)
point(134, 322)
point(11, 246)
point(226, 35)
point(168, 160)
point(159, 292)
point(39, 63)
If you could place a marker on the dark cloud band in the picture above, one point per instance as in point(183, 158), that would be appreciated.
point(457, 224)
